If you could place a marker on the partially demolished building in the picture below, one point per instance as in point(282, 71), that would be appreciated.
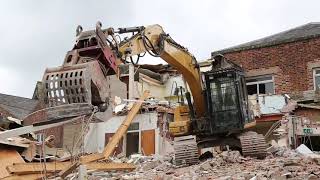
point(283, 80)
point(282, 67)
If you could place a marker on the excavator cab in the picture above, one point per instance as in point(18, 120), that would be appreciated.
point(226, 99)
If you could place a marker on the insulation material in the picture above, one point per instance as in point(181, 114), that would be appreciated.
point(266, 104)
point(271, 104)
point(8, 157)
point(254, 105)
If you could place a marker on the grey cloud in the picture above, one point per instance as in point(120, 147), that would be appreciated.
point(37, 34)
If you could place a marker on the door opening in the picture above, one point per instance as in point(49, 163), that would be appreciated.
point(132, 146)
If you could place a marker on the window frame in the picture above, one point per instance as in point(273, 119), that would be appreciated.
point(314, 78)
point(124, 145)
point(260, 82)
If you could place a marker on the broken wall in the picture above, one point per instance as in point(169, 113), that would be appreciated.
point(312, 114)
point(266, 104)
point(163, 91)
point(95, 139)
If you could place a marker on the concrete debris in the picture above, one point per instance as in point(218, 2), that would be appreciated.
point(303, 149)
point(117, 100)
point(119, 108)
point(149, 105)
point(274, 147)
point(282, 162)
point(223, 166)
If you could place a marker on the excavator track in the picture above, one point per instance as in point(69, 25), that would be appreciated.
point(253, 144)
point(186, 150)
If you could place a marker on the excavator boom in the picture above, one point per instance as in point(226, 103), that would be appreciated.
point(153, 39)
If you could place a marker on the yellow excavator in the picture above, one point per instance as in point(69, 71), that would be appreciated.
point(217, 113)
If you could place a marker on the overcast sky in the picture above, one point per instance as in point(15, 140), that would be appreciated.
point(37, 34)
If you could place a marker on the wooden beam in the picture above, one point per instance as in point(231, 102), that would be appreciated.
point(26, 176)
point(31, 168)
point(110, 166)
point(109, 148)
point(7, 158)
point(68, 169)
point(150, 80)
point(91, 157)
point(28, 129)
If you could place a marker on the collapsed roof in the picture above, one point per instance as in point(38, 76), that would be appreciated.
point(19, 107)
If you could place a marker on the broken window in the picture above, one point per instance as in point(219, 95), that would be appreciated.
point(260, 85)
point(316, 79)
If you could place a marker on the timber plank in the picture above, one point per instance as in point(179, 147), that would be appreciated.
point(8, 157)
point(30, 168)
point(25, 177)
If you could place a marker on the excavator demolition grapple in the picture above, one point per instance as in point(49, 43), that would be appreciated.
point(217, 113)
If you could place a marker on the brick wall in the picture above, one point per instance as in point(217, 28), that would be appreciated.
point(312, 114)
point(292, 64)
point(57, 132)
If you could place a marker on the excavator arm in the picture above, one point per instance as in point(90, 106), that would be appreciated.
point(82, 78)
point(152, 39)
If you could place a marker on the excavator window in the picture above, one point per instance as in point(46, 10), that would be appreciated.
point(223, 100)
point(224, 95)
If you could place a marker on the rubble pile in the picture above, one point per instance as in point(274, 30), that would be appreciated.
point(283, 164)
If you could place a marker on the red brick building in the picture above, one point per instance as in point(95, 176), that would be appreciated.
point(284, 63)
point(287, 62)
